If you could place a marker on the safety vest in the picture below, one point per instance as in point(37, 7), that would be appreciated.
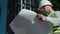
point(56, 29)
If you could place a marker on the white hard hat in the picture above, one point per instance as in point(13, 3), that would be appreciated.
point(45, 2)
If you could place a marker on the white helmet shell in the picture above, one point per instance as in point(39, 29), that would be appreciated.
point(45, 2)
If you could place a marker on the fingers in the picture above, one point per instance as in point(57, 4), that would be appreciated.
point(41, 17)
point(44, 18)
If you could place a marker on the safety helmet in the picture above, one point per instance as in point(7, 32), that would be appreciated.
point(45, 2)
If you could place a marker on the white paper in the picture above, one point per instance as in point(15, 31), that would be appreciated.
point(30, 15)
point(27, 23)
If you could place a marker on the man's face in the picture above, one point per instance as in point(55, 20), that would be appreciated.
point(46, 8)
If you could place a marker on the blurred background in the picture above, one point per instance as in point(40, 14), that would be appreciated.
point(10, 8)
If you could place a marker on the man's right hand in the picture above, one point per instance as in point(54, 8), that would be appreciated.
point(41, 17)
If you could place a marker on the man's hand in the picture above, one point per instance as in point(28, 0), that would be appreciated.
point(41, 17)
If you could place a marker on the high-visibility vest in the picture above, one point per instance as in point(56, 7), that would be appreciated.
point(56, 29)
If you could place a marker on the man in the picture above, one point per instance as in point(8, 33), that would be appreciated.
point(53, 16)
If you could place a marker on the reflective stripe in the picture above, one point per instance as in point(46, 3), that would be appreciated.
point(58, 28)
point(57, 31)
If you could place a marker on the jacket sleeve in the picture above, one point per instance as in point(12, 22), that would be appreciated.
point(55, 21)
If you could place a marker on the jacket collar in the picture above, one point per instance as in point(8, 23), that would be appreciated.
point(50, 13)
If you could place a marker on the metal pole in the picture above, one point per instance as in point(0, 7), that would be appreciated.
point(21, 4)
point(25, 5)
point(30, 4)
